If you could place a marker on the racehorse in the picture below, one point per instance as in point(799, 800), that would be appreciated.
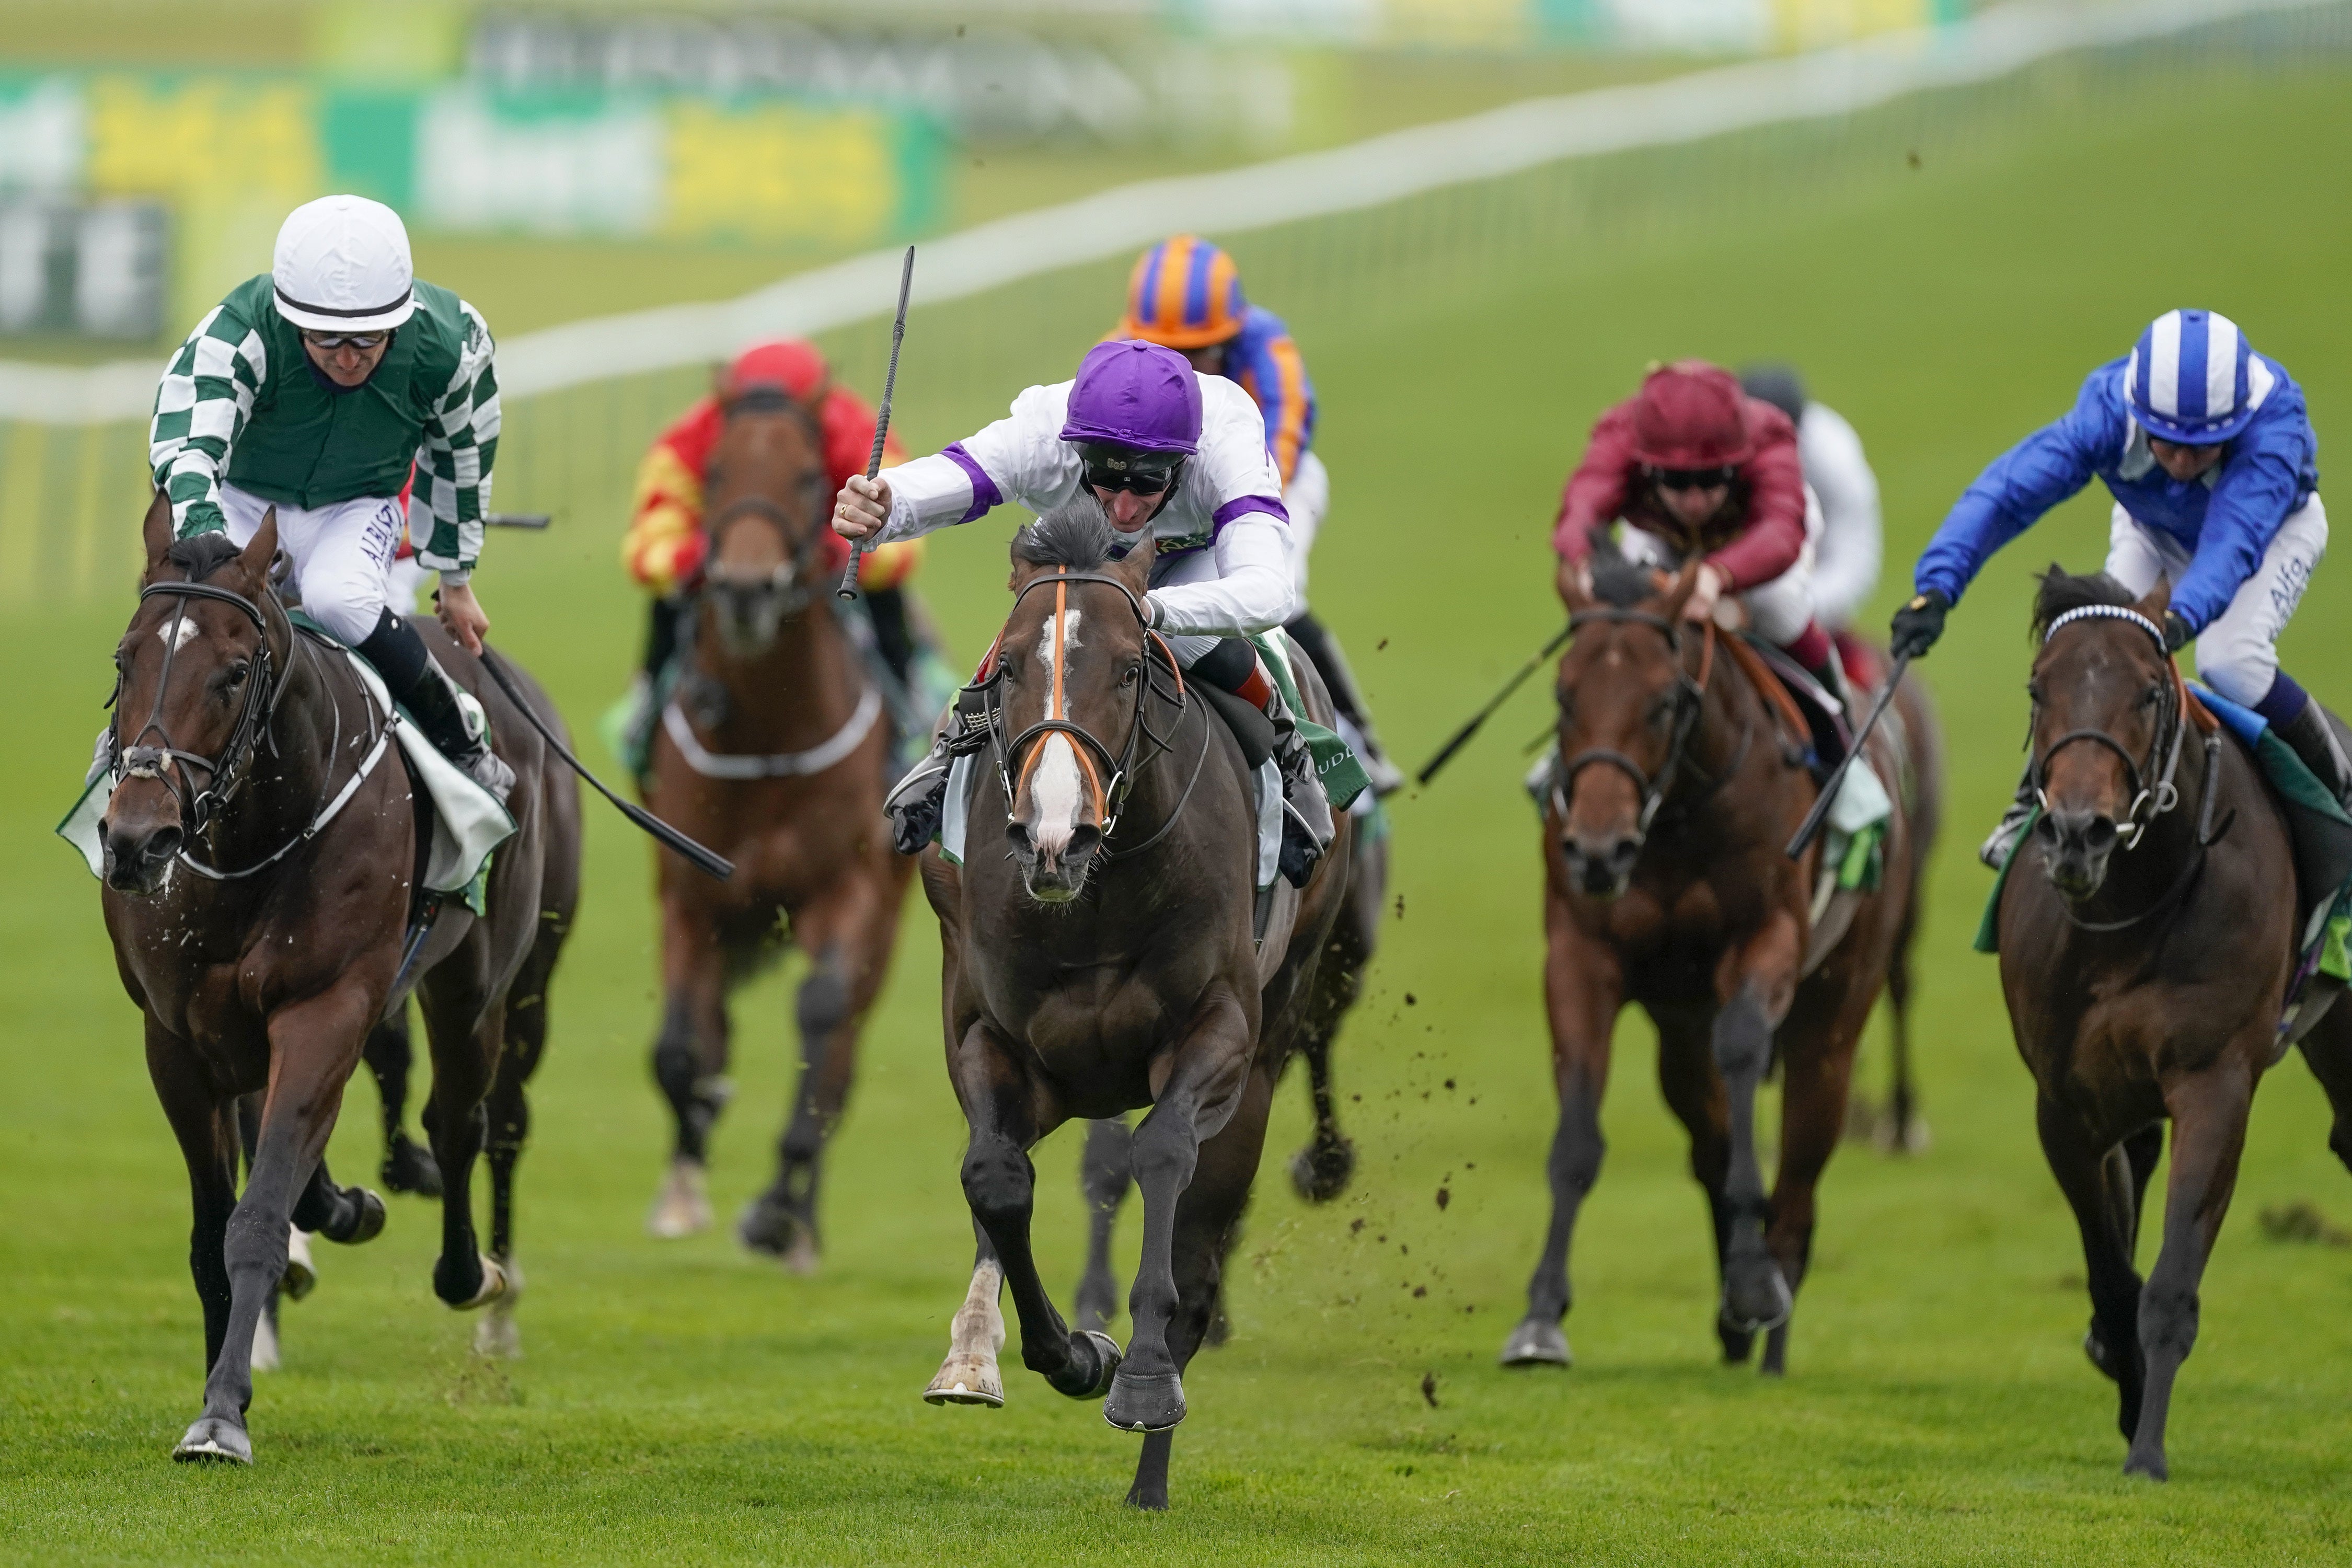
point(1318, 1171)
point(772, 751)
point(1681, 775)
point(1100, 955)
point(2146, 974)
point(258, 878)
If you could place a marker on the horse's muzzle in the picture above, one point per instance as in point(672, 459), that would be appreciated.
point(749, 610)
point(1601, 866)
point(137, 857)
point(2076, 846)
point(1054, 877)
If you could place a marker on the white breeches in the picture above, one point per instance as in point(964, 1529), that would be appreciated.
point(342, 555)
point(1778, 611)
point(1307, 497)
point(2237, 655)
point(1846, 568)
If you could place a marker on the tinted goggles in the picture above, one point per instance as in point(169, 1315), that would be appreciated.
point(331, 342)
point(1692, 478)
point(1122, 468)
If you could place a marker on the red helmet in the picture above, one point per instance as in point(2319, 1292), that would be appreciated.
point(1691, 414)
point(792, 364)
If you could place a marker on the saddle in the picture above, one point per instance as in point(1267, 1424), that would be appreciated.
point(1822, 716)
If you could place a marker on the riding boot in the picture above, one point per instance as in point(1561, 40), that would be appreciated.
point(1828, 746)
point(629, 729)
point(2313, 740)
point(1323, 647)
point(1995, 851)
point(917, 803)
point(1306, 827)
point(453, 719)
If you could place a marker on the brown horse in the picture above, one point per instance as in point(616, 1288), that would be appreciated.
point(258, 852)
point(772, 751)
point(1101, 955)
point(2145, 972)
point(1680, 778)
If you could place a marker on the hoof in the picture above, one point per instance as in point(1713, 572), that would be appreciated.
point(1536, 1343)
point(214, 1440)
point(1220, 1329)
point(302, 1276)
point(771, 1229)
point(682, 1207)
point(498, 1334)
point(1738, 1342)
point(1755, 1297)
point(265, 1345)
point(967, 1380)
point(1145, 1402)
point(493, 1285)
point(1093, 1365)
point(409, 1167)
point(1319, 1171)
point(371, 1220)
point(2152, 1465)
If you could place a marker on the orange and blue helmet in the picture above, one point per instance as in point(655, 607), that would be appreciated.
point(1184, 293)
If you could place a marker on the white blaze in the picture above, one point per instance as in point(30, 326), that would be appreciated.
point(165, 634)
point(1057, 785)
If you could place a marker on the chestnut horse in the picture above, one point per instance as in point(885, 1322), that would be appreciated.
point(2148, 935)
point(1680, 779)
point(1101, 955)
point(258, 852)
point(771, 751)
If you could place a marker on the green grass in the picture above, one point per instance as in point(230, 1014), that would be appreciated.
point(682, 1403)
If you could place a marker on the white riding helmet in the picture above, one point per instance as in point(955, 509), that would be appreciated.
point(342, 264)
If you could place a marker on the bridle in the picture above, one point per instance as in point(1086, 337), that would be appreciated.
point(2149, 801)
point(1690, 704)
point(1110, 777)
point(223, 774)
point(794, 584)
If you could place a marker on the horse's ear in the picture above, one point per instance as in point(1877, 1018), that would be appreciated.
point(1134, 568)
point(157, 528)
point(1679, 589)
point(2157, 600)
point(253, 560)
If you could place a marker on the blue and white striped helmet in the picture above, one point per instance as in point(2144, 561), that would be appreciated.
point(2193, 380)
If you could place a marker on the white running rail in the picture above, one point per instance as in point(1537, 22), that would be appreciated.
point(1364, 174)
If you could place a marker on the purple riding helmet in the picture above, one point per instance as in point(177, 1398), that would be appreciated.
point(1138, 396)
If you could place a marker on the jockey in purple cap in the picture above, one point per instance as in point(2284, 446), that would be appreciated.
point(1142, 441)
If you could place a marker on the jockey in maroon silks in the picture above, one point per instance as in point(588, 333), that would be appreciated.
point(1692, 464)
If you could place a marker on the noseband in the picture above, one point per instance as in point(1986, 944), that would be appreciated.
point(1095, 757)
point(792, 595)
point(1690, 701)
point(2148, 802)
point(225, 773)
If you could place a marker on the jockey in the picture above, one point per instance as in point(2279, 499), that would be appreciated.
point(1186, 294)
point(664, 546)
point(1691, 463)
point(1142, 441)
point(1846, 567)
point(313, 388)
point(2208, 450)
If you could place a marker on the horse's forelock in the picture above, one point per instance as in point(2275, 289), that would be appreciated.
point(201, 555)
point(2062, 591)
point(1074, 539)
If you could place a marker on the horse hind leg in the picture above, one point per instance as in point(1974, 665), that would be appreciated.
point(690, 1065)
point(970, 1375)
point(390, 1056)
point(1902, 1131)
point(1104, 1177)
point(1319, 1171)
point(467, 1038)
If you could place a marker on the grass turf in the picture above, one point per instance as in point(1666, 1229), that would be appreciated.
point(682, 1403)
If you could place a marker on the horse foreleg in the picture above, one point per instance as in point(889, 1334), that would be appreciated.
point(314, 1044)
point(2208, 1132)
point(1104, 1176)
point(1207, 1077)
point(466, 1037)
point(1583, 989)
point(1693, 1090)
point(2099, 1187)
point(690, 1062)
point(1753, 992)
point(204, 1125)
point(1001, 1185)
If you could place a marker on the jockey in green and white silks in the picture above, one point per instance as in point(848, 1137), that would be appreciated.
point(313, 388)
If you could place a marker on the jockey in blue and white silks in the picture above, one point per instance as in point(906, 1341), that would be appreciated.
point(1157, 451)
point(2208, 450)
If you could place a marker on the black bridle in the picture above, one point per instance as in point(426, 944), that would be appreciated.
point(1119, 770)
point(223, 774)
point(2148, 802)
point(1690, 704)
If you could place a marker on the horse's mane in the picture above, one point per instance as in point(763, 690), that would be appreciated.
point(1616, 581)
point(1077, 540)
point(2063, 590)
point(201, 555)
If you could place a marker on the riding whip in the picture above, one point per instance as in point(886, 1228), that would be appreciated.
point(1462, 736)
point(849, 589)
point(1811, 825)
point(516, 519)
point(716, 865)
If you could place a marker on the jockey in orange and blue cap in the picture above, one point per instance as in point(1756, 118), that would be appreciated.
point(1186, 294)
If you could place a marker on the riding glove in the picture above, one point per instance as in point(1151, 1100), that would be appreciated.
point(1919, 624)
point(2175, 632)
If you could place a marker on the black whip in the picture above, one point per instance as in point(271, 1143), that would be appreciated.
point(1462, 736)
point(849, 589)
point(1806, 829)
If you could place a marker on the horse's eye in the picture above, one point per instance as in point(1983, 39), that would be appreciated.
point(2033, 692)
point(2151, 697)
point(1131, 675)
point(1662, 712)
point(234, 676)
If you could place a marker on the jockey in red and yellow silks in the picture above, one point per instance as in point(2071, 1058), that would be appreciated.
point(1186, 294)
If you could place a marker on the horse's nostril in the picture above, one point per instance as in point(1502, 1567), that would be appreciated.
point(2100, 834)
point(164, 844)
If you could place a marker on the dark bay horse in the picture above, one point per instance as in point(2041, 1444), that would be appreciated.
point(1100, 956)
point(1680, 779)
point(2148, 935)
point(259, 853)
point(772, 751)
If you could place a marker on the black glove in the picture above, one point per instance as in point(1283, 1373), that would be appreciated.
point(1919, 624)
point(2175, 632)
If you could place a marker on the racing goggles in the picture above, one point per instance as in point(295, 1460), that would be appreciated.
point(1108, 468)
point(360, 341)
point(1694, 478)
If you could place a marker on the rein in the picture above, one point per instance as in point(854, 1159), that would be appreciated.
point(1690, 705)
point(1095, 758)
